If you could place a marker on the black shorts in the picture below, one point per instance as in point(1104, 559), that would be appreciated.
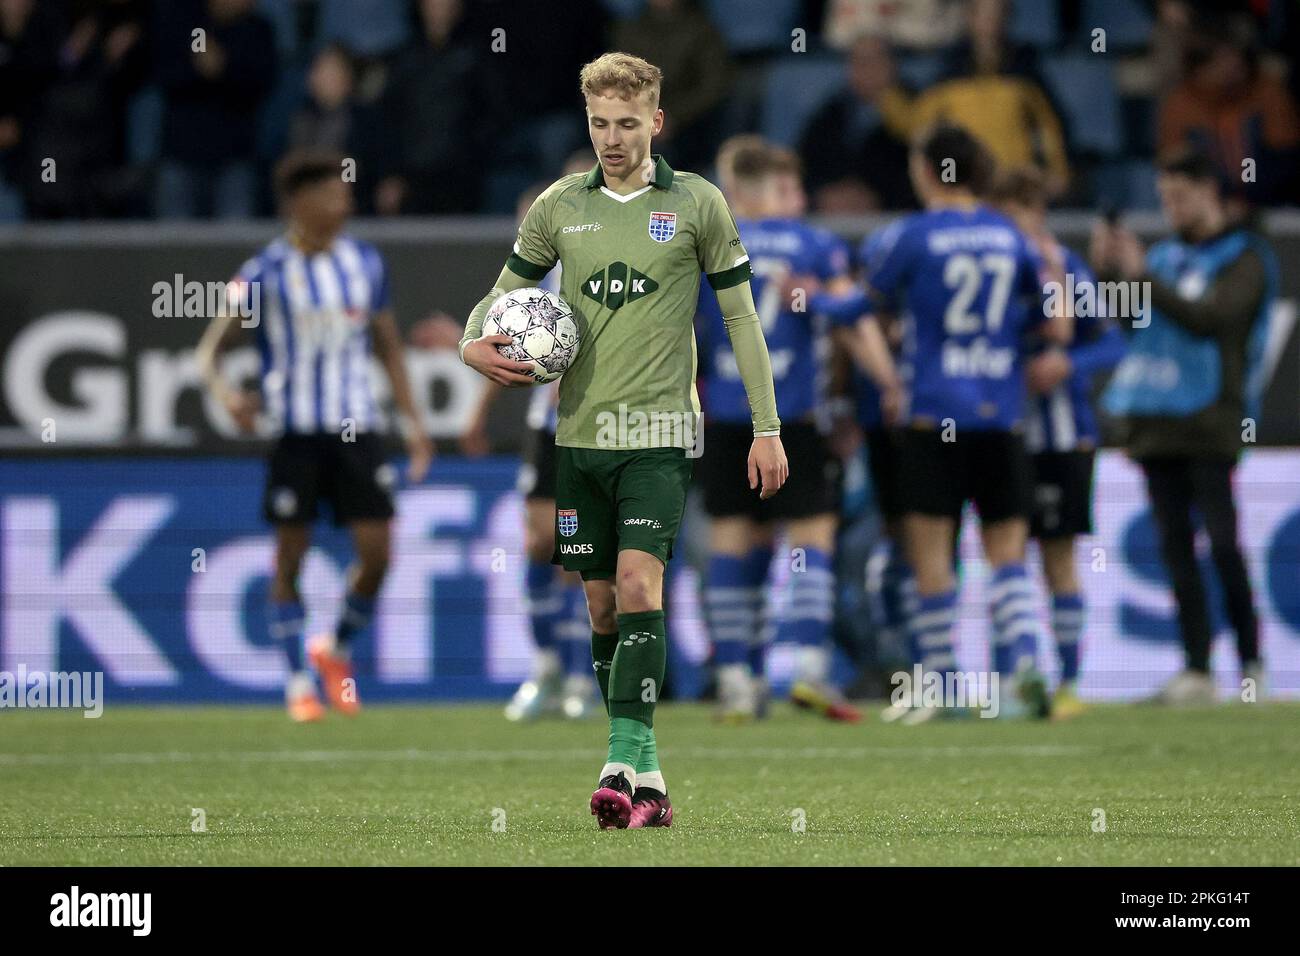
point(990, 468)
point(537, 474)
point(355, 477)
point(1062, 494)
point(813, 487)
point(882, 461)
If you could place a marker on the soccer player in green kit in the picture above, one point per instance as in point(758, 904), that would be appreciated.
point(633, 237)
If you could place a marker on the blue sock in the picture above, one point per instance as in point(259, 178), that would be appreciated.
point(288, 619)
point(545, 603)
point(756, 567)
point(1012, 605)
point(895, 600)
point(1067, 626)
point(575, 628)
point(932, 629)
point(357, 613)
point(728, 609)
point(808, 613)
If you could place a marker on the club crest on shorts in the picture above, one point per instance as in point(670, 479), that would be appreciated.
point(663, 226)
point(568, 521)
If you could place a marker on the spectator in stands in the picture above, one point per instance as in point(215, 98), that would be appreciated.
point(854, 148)
point(369, 28)
point(993, 91)
point(920, 25)
point(679, 38)
point(82, 120)
point(1228, 107)
point(432, 117)
point(332, 118)
point(1171, 33)
point(214, 85)
point(29, 50)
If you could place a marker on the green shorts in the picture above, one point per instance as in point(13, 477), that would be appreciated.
point(609, 499)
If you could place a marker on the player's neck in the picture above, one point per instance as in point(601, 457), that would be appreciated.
point(1207, 227)
point(626, 185)
point(952, 199)
point(638, 177)
point(309, 241)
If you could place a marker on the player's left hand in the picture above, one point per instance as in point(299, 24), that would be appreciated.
point(768, 468)
point(1048, 370)
point(420, 454)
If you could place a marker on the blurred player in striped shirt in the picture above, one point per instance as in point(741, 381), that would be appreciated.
point(1061, 429)
point(319, 303)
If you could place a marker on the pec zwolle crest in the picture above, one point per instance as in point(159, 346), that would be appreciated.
point(568, 520)
point(663, 226)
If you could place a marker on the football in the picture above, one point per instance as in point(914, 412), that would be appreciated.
point(543, 327)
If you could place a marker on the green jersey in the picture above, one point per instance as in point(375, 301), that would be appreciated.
point(631, 269)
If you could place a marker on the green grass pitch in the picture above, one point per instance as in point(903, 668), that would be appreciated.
point(426, 785)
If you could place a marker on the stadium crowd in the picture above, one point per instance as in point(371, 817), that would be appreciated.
point(178, 109)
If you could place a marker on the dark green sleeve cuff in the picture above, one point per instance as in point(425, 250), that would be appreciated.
point(733, 276)
point(526, 269)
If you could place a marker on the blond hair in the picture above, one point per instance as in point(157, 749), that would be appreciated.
point(625, 75)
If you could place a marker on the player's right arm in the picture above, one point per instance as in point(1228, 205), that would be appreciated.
point(240, 404)
point(533, 257)
point(865, 343)
point(479, 351)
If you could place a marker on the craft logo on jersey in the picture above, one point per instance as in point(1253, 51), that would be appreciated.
point(568, 521)
point(663, 226)
point(618, 283)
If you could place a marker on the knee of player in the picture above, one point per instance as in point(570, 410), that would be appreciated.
point(373, 565)
point(603, 620)
point(636, 591)
point(287, 567)
point(603, 614)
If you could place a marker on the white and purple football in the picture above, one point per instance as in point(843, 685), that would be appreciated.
point(543, 327)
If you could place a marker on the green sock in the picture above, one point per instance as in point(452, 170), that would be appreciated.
point(602, 657)
point(626, 741)
point(637, 673)
point(635, 676)
point(648, 762)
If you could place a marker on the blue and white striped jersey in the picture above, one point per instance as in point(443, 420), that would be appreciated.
point(1064, 419)
point(313, 332)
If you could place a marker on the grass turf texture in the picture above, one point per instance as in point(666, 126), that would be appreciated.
point(418, 785)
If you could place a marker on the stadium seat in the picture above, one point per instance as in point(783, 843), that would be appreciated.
point(1127, 23)
point(283, 15)
point(794, 89)
point(747, 33)
point(920, 70)
point(1035, 23)
point(11, 204)
point(144, 115)
point(624, 9)
point(365, 27)
point(1126, 185)
point(277, 111)
point(1084, 87)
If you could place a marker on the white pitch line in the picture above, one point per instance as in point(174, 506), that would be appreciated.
point(537, 756)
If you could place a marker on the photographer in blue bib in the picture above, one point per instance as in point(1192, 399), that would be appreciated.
point(1186, 396)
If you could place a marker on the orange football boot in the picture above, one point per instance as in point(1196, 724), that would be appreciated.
point(335, 674)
